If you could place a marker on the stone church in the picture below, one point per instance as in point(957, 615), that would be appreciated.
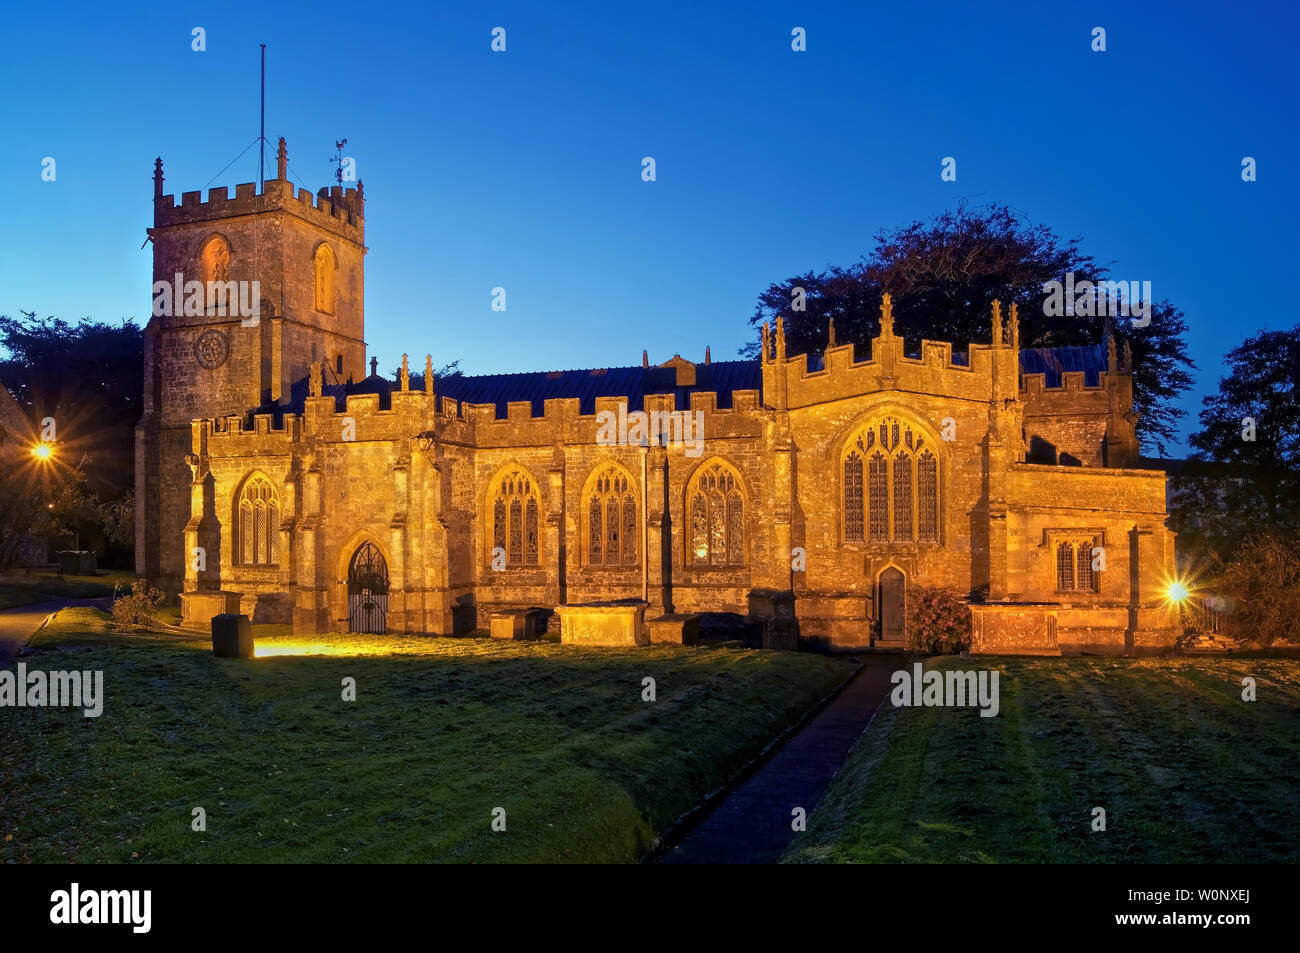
point(280, 477)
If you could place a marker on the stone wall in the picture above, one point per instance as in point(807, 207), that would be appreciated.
point(413, 474)
point(249, 362)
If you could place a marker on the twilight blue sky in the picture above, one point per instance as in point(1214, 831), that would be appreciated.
point(522, 169)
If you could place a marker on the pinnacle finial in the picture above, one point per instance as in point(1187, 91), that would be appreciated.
point(997, 323)
point(282, 161)
point(428, 373)
point(406, 374)
point(374, 367)
point(887, 316)
point(830, 334)
point(157, 178)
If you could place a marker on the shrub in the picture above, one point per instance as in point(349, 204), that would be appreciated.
point(938, 621)
point(134, 610)
point(1263, 579)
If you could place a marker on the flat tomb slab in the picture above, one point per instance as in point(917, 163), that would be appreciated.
point(608, 623)
point(200, 607)
point(517, 624)
point(675, 629)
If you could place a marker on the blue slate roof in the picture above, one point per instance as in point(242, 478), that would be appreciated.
point(1052, 362)
point(720, 377)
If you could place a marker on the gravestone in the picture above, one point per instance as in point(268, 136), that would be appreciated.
point(232, 636)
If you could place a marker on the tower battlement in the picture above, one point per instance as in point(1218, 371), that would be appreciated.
point(333, 208)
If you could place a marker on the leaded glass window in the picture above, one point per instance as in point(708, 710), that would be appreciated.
point(897, 497)
point(258, 529)
point(515, 511)
point(716, 511)
point(612, 529)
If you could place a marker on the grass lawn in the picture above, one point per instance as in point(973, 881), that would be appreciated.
point(442, 732)
point(1186, 770)
point(19, 589)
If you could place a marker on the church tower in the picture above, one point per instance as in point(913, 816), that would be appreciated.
point(248, 292)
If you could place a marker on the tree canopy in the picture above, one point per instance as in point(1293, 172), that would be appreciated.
point(1244, 473)
point(89, 378)
point(943, 277)
point(80, 387)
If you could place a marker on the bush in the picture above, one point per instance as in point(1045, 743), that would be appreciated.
point(134, 609)
point(938, 621)
point(1263, 579)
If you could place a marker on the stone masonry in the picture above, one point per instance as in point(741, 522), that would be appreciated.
point(284, 467)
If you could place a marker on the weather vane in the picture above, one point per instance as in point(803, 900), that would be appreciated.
point(337, 158)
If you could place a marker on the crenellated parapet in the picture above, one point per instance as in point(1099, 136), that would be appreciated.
point(805, 380)
point(335, 209)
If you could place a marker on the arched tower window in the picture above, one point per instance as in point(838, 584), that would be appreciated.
point(257, 524)
point(325, 279)
point(715, 513)
point(891, 484)
point(515, 514)
point(610, 511)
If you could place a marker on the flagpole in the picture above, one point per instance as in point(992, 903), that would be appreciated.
point(261, 145)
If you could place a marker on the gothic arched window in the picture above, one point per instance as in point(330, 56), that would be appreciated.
point(610, 512)
point(1074, 570)
point(716, 516)
point(514, 519)
point(257, 524)
point(899, 499)
point(325, 279)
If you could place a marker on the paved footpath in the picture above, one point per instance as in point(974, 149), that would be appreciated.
point(18, 624)
point(751, 824)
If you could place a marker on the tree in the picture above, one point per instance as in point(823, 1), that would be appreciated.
point(21, 493)
point(1245, 472)
point(79, 387)
point(89, 379)
point(1263, 581)
point(943, 277)
point(40, 497)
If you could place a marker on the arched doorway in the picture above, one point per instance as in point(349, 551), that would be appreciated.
point(891, 603)
point(368, 590)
